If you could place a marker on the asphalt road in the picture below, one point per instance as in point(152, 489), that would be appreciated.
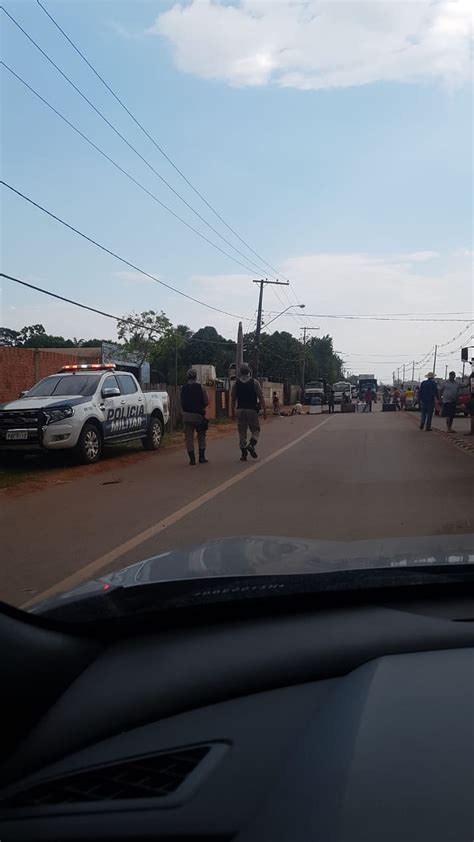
point(340, 477)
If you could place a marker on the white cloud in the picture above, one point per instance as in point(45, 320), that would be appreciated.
point(315, 44)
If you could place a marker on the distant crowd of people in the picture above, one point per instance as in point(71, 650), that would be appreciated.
point(247, 402)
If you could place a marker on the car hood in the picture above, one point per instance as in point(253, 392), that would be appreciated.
point(266, 556)
point(45, 402)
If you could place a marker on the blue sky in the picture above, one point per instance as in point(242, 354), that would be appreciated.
point(351, 172)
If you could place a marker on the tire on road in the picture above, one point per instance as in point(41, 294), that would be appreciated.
point(154, 434)
point(89, 447)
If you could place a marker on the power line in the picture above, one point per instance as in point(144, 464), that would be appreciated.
point(120, 168)
point(365, 315)
point(152, 139)
point(464, 330)
point(381, 318)
point(121, 319)
point(118, 257)
point(133, 148)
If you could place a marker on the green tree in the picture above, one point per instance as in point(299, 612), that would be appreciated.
point(9, 337)
point(208, 347)
point(142, 333)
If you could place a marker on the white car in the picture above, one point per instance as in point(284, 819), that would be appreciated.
point(83, 408)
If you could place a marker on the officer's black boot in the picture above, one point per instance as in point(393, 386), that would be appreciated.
point(251, 448)
point(192, 457)
point(202, 457)
point(243, 458)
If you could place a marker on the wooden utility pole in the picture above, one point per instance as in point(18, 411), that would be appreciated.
point(259, 319)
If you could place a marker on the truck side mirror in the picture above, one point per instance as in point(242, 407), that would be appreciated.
point(23, 394)
point(111, 392)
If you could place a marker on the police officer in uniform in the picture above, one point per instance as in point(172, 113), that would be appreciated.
point(194, 400)
point(247, 394)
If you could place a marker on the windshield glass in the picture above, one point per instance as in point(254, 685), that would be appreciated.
point(69, 384)
point(247, 266)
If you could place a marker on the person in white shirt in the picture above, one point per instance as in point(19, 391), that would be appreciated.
point(449, 397)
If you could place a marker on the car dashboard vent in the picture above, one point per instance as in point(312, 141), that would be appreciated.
point(152, 776)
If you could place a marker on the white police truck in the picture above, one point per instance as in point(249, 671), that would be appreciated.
point(83, 408)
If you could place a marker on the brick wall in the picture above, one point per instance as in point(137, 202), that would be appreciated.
point(20, 368)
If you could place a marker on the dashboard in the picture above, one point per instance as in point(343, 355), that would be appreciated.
point(353, 724)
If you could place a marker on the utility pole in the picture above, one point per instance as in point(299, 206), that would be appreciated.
point(303, 367)
point(434, 359)
point(446, 371)
point(240, 350)
point(259, 318)
point(413, 373)
point(403, 372)
point(176, 359)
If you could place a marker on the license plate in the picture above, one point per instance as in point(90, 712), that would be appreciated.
point(16, 435)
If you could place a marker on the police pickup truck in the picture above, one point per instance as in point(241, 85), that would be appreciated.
point(83, 408)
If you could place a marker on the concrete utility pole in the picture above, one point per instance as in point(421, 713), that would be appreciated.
point(413, 373)
point(259, 318)
point(404, 372)
point(434, 359)
point(240, 350)
point(303, 367)
point(446, 372)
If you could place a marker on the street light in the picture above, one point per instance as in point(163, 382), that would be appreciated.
point(291, 307)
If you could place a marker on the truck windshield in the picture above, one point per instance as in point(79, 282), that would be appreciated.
point(75, 384)
point(316, 384)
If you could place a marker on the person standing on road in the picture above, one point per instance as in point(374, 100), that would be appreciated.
point(449, 396)
point(369, 397)
point(194, 401)
point(247, 394)
point(331, 400)
point(427, 395)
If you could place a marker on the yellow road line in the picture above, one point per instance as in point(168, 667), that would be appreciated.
point(90, 571)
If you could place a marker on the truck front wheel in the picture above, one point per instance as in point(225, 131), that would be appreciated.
point(89, 446)
point(154, 434)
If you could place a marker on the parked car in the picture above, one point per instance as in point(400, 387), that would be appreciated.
point(82, 408)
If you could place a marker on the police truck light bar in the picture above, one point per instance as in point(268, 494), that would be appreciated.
point(90, 367)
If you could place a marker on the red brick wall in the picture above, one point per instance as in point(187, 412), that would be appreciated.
point(20, 368)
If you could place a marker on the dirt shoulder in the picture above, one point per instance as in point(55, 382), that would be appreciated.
point(45, 469)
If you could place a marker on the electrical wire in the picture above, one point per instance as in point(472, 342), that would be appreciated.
point(120, 168)
point(119, 319)
point(383, 318)
point(464, 330)
point(153, 141)
point(118, 257)
point(133, 148)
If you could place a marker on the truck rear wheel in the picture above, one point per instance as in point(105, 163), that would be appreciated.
point(154, 434)
point(89, 446)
